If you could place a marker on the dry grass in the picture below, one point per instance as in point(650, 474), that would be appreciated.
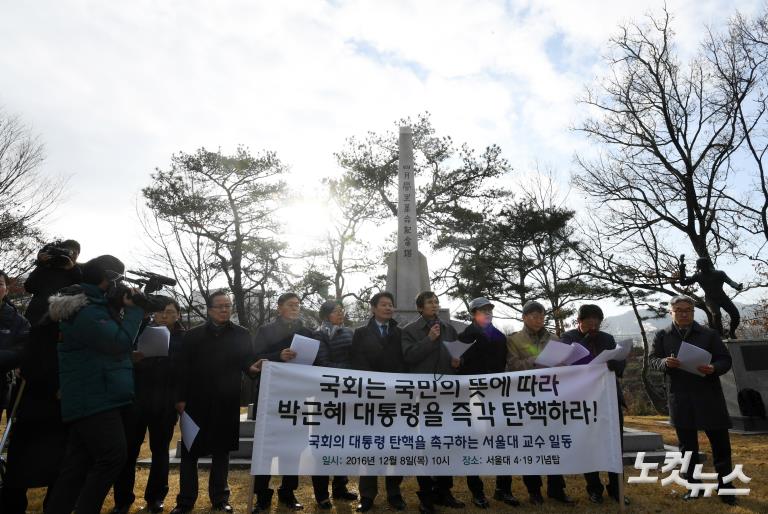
point(752, 451)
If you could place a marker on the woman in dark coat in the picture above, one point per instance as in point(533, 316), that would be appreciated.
point(337, 342)
point(153, 411)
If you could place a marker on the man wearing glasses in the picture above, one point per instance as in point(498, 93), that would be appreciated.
point(213, 356)
point(273, 342)
point(695, 402)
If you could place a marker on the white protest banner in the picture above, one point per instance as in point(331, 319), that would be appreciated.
point(324, 421)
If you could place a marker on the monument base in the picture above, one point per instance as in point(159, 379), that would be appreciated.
point(749, 371)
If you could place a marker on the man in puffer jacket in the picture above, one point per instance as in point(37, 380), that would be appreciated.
point(96, 381)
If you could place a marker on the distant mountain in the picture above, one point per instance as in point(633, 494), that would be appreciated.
point(625, 324)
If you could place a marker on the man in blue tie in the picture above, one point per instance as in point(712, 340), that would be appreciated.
point(377, 347)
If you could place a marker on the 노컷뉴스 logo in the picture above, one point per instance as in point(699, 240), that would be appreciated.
point(698, 482)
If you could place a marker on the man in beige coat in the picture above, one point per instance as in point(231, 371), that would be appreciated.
point(522, 349)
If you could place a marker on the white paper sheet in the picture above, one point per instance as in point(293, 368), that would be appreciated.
point(457, 348)
point(691, 357)
point(554, 354)
point(154, 341)
point(189, 430)
point(620, 353)
point(306, 349)
point(578, 352)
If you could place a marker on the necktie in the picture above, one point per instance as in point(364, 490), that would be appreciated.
point(383, 329)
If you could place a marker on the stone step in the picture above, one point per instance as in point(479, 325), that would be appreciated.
point(640, 441)
point(244, 449)
point(246, 427)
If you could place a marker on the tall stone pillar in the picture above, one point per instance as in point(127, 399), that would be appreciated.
point(407, 273)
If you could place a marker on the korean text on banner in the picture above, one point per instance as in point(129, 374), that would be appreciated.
point(323, 421)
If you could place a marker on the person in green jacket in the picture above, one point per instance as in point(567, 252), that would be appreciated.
point(96, 384)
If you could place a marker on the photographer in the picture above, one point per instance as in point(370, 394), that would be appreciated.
point(96, 380)
point(14, 330)
point(56, 268)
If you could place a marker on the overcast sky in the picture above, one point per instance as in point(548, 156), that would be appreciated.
point(113, 89)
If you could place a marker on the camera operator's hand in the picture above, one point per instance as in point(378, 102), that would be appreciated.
point(127, 302)
point(180, 406)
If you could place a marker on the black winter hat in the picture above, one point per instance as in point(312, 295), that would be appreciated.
point(101, 267)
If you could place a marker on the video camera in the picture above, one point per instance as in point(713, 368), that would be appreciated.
point(150, 282)
point(60, 255)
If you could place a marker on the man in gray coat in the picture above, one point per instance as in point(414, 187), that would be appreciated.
point(695, 402)
point(424, 352)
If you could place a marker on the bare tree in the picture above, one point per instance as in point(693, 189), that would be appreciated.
point(347, 253)
point(669, 131)
point(27, 195)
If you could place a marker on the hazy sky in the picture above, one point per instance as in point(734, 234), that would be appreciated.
point(113, 89)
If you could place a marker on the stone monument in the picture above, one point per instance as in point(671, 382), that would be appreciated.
point(407, 271)
point(745, 385)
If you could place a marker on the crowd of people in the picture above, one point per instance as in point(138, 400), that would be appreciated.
point(84, 398)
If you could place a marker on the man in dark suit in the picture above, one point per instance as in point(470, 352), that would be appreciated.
point(695, 402)
point(377, 347)
point(424, 352)
point(589, 335)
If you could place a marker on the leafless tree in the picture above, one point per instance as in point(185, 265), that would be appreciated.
point(28, 196)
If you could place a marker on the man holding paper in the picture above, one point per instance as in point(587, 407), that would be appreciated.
point(589, 335)
point(273, 342)
point(487, 354)
point(696, 400)
point(522, 349)
point(213, 357)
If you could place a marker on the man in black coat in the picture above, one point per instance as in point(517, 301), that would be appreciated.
point(273, 342)
point(213, 357)
point(378, 347)
point(487, 355)
point(695, 402)
point(589, 335)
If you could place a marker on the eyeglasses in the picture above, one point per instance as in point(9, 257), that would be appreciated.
point(682, 311)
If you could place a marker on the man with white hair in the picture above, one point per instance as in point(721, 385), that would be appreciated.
point(695, 402)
